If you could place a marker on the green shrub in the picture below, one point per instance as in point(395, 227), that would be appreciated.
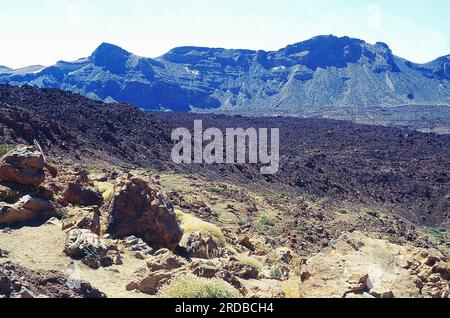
point(106, 188)
point(62, 214)
point(190, 286)
point(213, 190)
point(249, 261)
point(266, 221)
point(190, 223)
point(276, 273)
point(275, 197)
point(436, 232)
point(4, 149)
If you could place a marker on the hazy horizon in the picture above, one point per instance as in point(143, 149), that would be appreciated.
point(71, 29)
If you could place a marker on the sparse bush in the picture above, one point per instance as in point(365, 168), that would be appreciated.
point(436, 233)
point(4, 149)
point(62, 214)
point(266, 221)
point(310, 198)
point(249, 261)
point(276, 273)
point(190, 223)
point(275, 197)
point(190, 286)
point(213, 190)
point(106, 188)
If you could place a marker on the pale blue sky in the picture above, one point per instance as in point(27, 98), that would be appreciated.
point(44, 31)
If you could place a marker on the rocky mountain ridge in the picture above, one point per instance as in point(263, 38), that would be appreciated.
point(304, 79)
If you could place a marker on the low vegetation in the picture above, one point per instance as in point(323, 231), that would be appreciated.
point(245, 259)
point(190, 223)
point(4, 149)
point(190, 286)
point(106, 188)
point(250, 261)
point(266, 222)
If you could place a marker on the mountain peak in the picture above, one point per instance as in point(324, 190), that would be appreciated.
point(106, 48)
point(111, 57)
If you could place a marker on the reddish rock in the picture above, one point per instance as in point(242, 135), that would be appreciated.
point(85, 218)
point(24, 165)
point(203, 270)
point(74, 187)
point(137, 209)
point(164, 260)
point(26, 209)
point(154, 281)
point(246, 242)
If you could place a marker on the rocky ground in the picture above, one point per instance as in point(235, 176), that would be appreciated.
point(355, 211)
point(108, 231)
point(404, 172)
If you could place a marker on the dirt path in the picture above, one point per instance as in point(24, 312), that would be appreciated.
point(42, 248)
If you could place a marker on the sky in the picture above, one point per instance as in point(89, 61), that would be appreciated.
point(45, 31)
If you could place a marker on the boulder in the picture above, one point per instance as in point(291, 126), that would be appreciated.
point(137, 209)
point(24, 165)
point(240, 270)
point(19, 282)
point(154, 281)
point(162, 267)
point(26, 209)
point(82, 243)
point(203, 270)
point(138, 247)
point(83, 195)
point(359, 266)
point(164, 259)
point(246, 242)
point(199, 245)
point(75, 187)
point(85, 219)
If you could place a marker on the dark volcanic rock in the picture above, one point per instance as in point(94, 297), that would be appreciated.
point(403, 171)
point(19, 282)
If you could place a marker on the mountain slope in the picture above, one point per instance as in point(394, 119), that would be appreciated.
point(323, 72)
point(341, 163)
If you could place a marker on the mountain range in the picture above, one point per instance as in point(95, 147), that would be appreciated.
point(325, 75)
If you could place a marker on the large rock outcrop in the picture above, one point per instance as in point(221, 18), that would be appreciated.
point(22, 171)
point(137, 209)
point(25, 166)
point(19, 282)
point(358, 266)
